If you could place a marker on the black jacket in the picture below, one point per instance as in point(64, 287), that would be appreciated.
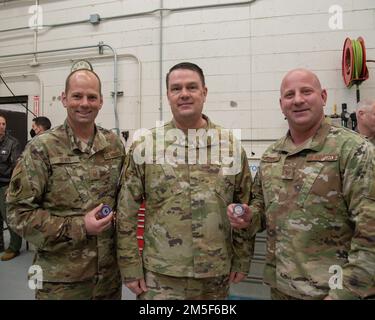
point(9, 152)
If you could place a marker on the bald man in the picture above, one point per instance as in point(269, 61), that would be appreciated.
point(314, 193)
point(366, 119)
point(55, 195)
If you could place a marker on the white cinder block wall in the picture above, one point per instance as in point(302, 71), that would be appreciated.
point(244, 49)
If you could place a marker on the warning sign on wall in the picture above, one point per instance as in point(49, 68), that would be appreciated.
point(36, 103)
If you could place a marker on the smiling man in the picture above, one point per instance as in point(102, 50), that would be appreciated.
point(314, 193)
point(59, 185)
point(190, 251)
point(366, 119)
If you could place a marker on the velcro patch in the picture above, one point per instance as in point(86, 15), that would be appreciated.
point(112, 154)
point(322, 157)
point(275, 158)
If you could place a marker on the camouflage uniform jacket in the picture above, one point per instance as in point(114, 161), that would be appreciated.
point(57, 180)
point(317, 202)
point(187, 233)
point(371, 139)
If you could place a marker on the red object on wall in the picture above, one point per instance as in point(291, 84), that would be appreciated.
point(36, 104)
point(348, 61)
point(141, 226)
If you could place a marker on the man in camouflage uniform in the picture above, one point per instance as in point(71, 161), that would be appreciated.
point(366, 119)
point(59, 185)
point(190, 251)
point(314, 193)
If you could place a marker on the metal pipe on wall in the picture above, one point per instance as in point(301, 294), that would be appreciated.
point(120, 55)
point(160, 11)
point(25, 75)
point(100, 47)
point(139, 14)
point(115, 80)
point(30, 53)
point(36, 35)
point(161, 61)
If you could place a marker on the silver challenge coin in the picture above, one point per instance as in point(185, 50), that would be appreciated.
point(105, 211)
point(238, 210)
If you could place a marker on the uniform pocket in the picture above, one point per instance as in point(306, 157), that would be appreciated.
point(322, 183)
point(270, 170)
point(64, 182)
point(224, 187)
point(162, 183)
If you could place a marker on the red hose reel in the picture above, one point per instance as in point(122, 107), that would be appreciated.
point(354, 69)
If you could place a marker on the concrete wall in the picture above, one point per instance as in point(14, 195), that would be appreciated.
point(244, 50)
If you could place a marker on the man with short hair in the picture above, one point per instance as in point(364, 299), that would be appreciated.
point(9, 153)
point(366, 119)
point(39, 125)
point(314, 193)
point(190, 251)
point(57, 193)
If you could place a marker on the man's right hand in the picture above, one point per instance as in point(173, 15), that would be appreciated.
point(137, 286)
point(94, 226)
point(242, 221)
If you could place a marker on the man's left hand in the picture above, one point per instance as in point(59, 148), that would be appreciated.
point(235, 277)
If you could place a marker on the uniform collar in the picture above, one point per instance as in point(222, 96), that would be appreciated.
point(95, 144)
point(182, 137)
point(210, 125)
point(315, 143)
point(371, 139)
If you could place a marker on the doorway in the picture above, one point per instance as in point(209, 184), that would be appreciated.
point(16, 116)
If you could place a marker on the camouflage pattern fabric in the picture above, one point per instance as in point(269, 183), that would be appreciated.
point(187, 233)
point(277, 295)
point(57, 180)
point(15, 241)
point(97, 288)
point(1, 234)
point(162, 287)
point(317, 202)
point(372, 140)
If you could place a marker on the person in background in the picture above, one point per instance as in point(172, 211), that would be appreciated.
point(314, 193)
point(39, 125)
point(9, 152)
point(57, 195)
point(366, 119)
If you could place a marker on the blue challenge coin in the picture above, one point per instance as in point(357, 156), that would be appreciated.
point(105, 211)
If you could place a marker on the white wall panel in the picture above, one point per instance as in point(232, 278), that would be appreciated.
point(244, 51)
